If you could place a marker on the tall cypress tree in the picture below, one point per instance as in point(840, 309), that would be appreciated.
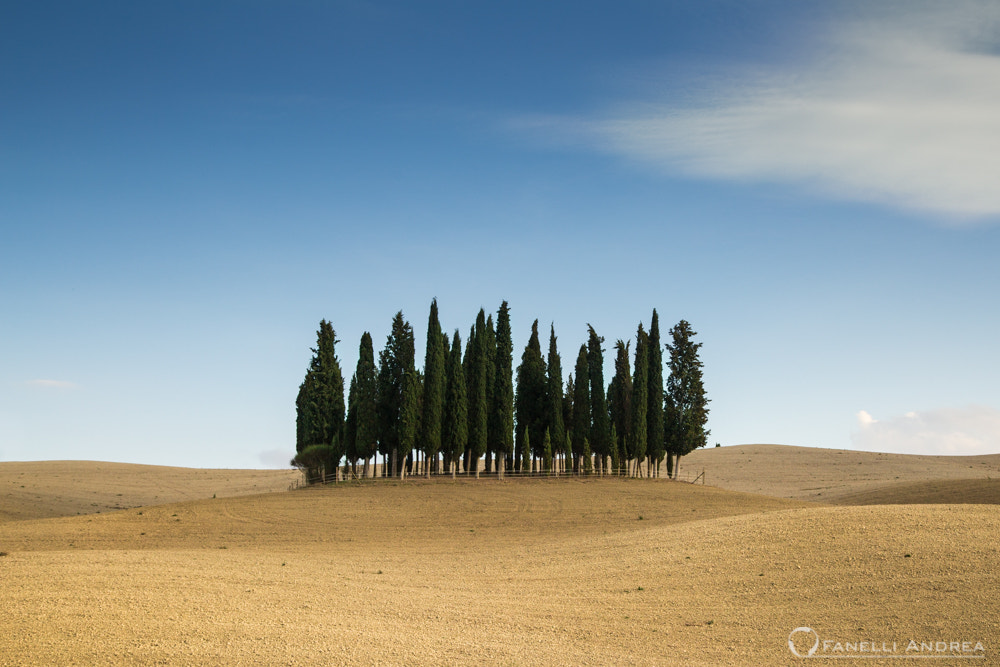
point(455, 431)
point(581, 408)
point(556, 425)
point(525, 448)
point(478, 408)
point(686, 404)
point(654, 411)
point(640, 397)
point(600, 425)
point(567, 404)
point(434, 386)
point(320, 403)
point(490, 350)
point(395, 364)
point(366, 425)
point(409, 416)
point(620, 401)
point(530, 403)
point(501, 423)
point(303, 415)
point(331, 382)
point(351, 425)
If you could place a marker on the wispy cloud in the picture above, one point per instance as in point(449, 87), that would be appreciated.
point(970, 430)
point(53, 384)
point(901, 109)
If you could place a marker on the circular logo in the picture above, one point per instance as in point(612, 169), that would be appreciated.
point(791, 642)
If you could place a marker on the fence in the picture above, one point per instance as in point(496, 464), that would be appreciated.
point(345, 474)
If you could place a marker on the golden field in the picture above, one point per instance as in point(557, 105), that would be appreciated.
point(519, 572)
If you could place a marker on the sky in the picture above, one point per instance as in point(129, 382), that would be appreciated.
point(188, 188)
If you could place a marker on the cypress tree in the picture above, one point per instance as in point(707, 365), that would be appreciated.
point(320, 405)
point(455, 431)
point(638, 441)
point(501, 423)
point(686, 405)
point(568, 422)
point(332, 383)
point(600, 426)
point(555, 394)
point(302, 416)
point(654, 411)
point(620, 402)
point(490, 350)
point(409, 417)
point(581, 408)
point(434, 387)
point(530, 402)
point(366, 423)
point(478, 408)
point(351, 424)
point(395, 364)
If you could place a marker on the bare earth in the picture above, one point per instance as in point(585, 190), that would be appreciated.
point(561, 572)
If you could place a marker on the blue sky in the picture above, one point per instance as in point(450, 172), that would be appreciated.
point(187, 188)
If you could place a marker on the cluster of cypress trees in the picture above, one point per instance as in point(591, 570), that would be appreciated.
point(461, 413)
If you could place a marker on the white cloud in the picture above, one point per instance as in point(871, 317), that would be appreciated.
point(865, 419)
point(945, 431)
point(53, 384)
point(902, 109)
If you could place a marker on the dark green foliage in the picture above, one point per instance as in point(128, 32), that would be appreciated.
point(303, 414)
point(365, 419)
point(637, 435)
point(455, 431)
point(320, 401)
point(567, 406)
point(476, 359)
point(501, 419)
point(581, 407)
point(434, 388)
point(616, 451)
point(351, 423)
point(654, 411)
point(317, 462)
point(472, 405)
point(531, 406)
point(600, 425)
point(620, 400)
point(490, 350)
point(395, 365)
point(409, 416)
point(555, 395)
point(686, 409)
